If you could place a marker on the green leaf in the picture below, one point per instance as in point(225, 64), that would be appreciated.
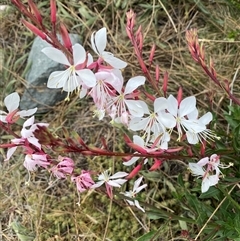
point(152, 175)
point(212, 192)
point(147, 237)
point(180, 180)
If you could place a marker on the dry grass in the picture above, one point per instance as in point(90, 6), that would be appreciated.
point(48, 207)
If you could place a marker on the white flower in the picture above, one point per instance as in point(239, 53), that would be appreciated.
point(212, 165)
point(75, 75)
point(122, 104)
point(115, 180)
point(99, 42)
point(156, 122)
point(12, 103)
point(132, 194)
point(207, 179)
point(28, 129)
point(186, 115)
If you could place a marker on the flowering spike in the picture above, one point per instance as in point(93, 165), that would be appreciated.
point(130, 19)
point(34, 29)
point(35, 10)
point(65, 37)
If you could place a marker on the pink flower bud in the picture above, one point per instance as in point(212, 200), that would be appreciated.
point(152, 53)
point(156, 165)
point(53, 11)
point(65, 36)
point(134, 172)
point(35, 11)
point(34, 29)
point(165, 82)
point(179, 96)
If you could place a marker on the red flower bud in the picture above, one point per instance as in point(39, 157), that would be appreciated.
point(34, 29)
point(65, 37)
point(35, 11)
point(53, 11)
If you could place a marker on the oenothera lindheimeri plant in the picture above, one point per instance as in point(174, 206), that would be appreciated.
point(163, 126)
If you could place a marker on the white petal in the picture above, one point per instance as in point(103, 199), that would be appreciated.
point(119, 174)
point(56, 55)
point(138, 140)
point(193, 115)
point(135, 108)
point(3, 117)
point(192, 137)
point(187, 106)
point(172, 105)
point(205, 185)
point(12, 101)
point(137, 123)
point(167, 120)
point(29, 122)
point(113, 61)
point(58, 79)
point(138, 205)
point(117, 182)
point(72, 83)
point(196, 169)
point(24, 113)
point(134, 83)
point(87, 76)
point(205, 119)
point(131, 161)
point(138, 189)
point(90, 59)
point(203, 161)
point(99, 40)
point(160, 104)
point(33, 140)
point(10, 152)
point(98, 184)
point(137, 183)
point(79, 54)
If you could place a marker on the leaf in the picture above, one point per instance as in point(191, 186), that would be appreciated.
point(212, 192)
point(147, 237)
point(155, 215)
point(180, 180)
point(152, 175)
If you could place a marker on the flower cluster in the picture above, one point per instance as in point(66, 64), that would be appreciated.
point(154, 120)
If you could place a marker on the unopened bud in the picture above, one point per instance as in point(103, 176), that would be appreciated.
point(53, 11)
point(34, 29)
point(35, 11)
point(134, 172)
point(65, 37)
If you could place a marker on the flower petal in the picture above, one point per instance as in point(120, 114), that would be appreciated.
point(113, 61)
point(79, 54)
point(99, 40)
point(12, 101)
point(87, 77)
point(187, 106)
point(134, 83)
point(56, 55)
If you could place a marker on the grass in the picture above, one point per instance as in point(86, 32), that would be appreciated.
point(47, 207)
